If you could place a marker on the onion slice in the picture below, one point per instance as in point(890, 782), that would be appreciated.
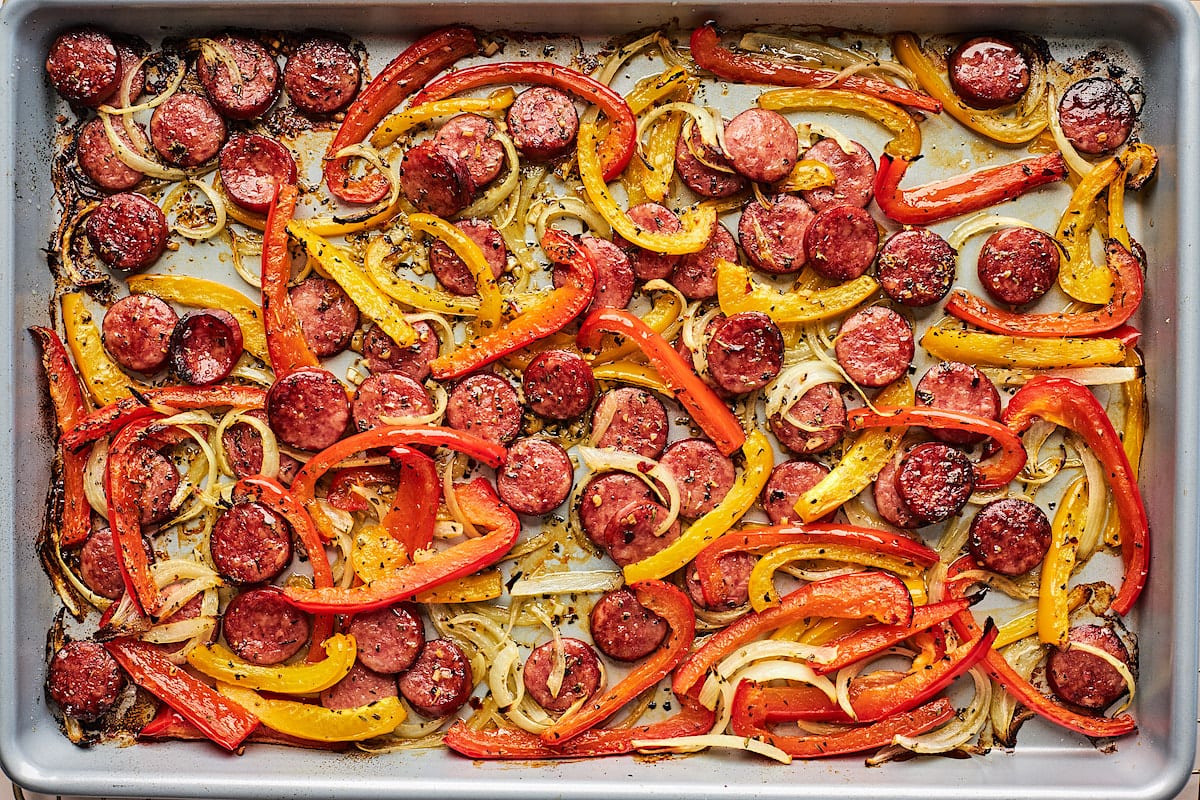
point(571, 582)
point(607, 459)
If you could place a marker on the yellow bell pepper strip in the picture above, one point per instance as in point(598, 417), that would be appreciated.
point(632, 374)
point(659, 156)
point(906, 136)
point(1134, 430)
point(288, 349)
point(861, 462)
point(202, 293)
point(480, 505)
point(548, 315)
point(1069, 520)
point(651, 89)
point(311, 721)
point(806, 175)
point(472, 255)
point(370, 300)
point(1010, 131)
point(1081, 277)
point(762, 577)
point(485, 586)
point(224, 722)
point(411, 293)
point(697, 222)
point(746, 489)
point(218, 661)
point(1073, 406)
point(1026, 624)
point(102, 378)
point(997, 350)
point(1125, 275)
point(705, 408)
point(737, 291)
point(404, 121)
point(1116, 209)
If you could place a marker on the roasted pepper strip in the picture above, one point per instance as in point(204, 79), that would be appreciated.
point(202, 293)
point(998, 350)
point(413, 512)
point(481, 506)
point(1127, 289)
point(218, 661)
point(632, 374)
point(749, 68)
point(406, 73)
point(621, 140)
point(1073, 406)
point(861, 462)
point(906, 136)
point(761, 587)
point(224, 722)
point(856, 596)
point(466, 249)
point(102, 378)
point(124, 504)
point(69, 409)
point(1026, 624)
point(664, 318)
point(288, 349)
point(962, 194)
point(311, 721)
point(672, 605)
point(1053, 621)
point(404, 121)
point(478, 588)
point(873, 639)
point(341, 494)
point(738, 291)
point(989, 474)
point(1081, 277)
point(170, 724)
point(712, 415)
point(411, 293)
point(806, 175)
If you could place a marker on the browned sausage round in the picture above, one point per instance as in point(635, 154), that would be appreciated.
point(703, 474)
point(958, 387)
point(773, 237)
point(440, 682)
point(558, 384)
point(787, 483)
point(471, 139)
point(434, 180)
point(735, 582)
point(581, 680)
point(257, 85)
point(205, 346)
point(328, 317)
point(321, 76)
point(875, 346)
point(853, 174)
point(1096, 115)
point(384, 355)
point(251, 543)
point(308, 409)
point(1010, 536)
point(452, 271)
point(629, 536)
point(614, 273)
point(485, 405)
point(543, 122)
point(1018, 265)
point(84, 680)
point(388, 639)
point(186, 130)
point(83, 66)
point(604, 495)
point(359, 688)
point(98, 566)
point(155, 480)
point(127, 231)
point(745, 352)
point(137, 332)
point(263, 628)
point(253, 167)
point(762, 145)
point(100, 162)
point(823, 412)
point(623, 628)
point(888, 502)
point(648, 265)
point(692, 160)
point(841, 242)
point(696, 273)
point(1083, 679)
point(631, 419)
point(935, 480)
point(244, 450)
point(388, 394)
point(536, 478)
point(987, 72)
point(916, 267)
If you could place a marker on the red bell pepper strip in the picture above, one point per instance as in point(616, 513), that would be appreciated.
point(873, 639)
point(170, 724)
point(548, 315)
point(1128, 289)
point(1072, 405)
point(887, 543)
point(712, 415)
point(341, 493)
point(413, 513)
point(989, 474)
point(670, 603)
point(219, 719)
point(859, 595)
point(749, 68)
point(617, 148)
point(115, 416)
point(479, 503)
point(515, 744)
point(962, 194)
point(406, 73)
point(69, 409)
point(286, 345)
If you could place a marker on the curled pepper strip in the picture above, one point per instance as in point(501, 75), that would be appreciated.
point(906, 136)
point(202, 293)
point(989, 474)
point(218, 661)
point(962, 194)
point(671, 604)
point(286, 344)
point(873, 639)
point(311, 721)
point(712, 415)
point(748, 68)
point(472, 255)
point(1072, 405)
point(1053, 608)
point(404, 121)
point(69, 410)
point(737, 291)
point(761, 586)
point(407, 72)
point(1000, 350)
point(102, 378)
point(1082, 278)
point(413, 513)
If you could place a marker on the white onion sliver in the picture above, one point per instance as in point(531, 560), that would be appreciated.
point(572, 582)
point(985, 223)
point(1075, 162)
point(714, 740)
point(959, 730)
point(792, 384)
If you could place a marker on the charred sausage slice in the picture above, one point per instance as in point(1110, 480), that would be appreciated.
point(137, 332)
point(987, 72)
point(581, 680)
point(252, 91)
point(84, 680)
point(1010, 536)
point(263, 628)
point(127, 231)
point(205, 346)
point(251, 543)
point(308, 409)
point(536, 478)
point(389, 639)
point(485, 405)
point(440, 681)
point(321, 76)
point(623, 628)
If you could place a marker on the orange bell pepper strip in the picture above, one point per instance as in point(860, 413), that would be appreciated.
point(286, 345)
point(872, 639)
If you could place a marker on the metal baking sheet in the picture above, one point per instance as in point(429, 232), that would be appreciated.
point(1159, 38)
